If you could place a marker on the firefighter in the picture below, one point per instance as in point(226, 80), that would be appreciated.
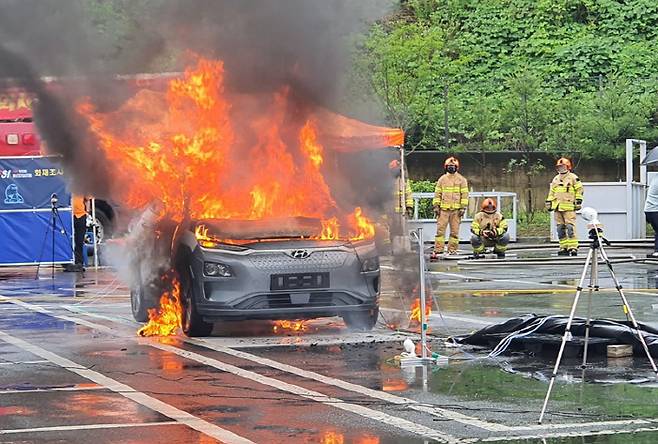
point(79, 204)
point(450, 203)
point(404, 202)
point(565, 198)
point(393, 223)
point(489, 229)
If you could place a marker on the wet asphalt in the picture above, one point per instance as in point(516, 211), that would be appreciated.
point(72, 368)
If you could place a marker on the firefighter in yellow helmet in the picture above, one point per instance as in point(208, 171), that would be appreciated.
point(489, 229)
point(450, 203)
point(565, 198)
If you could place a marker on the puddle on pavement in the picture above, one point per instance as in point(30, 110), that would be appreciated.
point(613, 389)
point(33, 321)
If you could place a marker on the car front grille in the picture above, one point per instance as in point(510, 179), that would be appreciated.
point(280, 262)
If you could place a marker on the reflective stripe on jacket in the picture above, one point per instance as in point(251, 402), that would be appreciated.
point(489, 222)
point(401, 206)
point(565, 191)
point(451, 192)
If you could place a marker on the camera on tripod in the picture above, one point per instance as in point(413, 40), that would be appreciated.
point(594, 225)
point(54, 200)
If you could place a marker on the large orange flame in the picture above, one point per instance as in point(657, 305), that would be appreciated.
point(165, 320)
point(207, 156)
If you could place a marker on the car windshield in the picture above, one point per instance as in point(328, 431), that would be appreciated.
point(282, 228)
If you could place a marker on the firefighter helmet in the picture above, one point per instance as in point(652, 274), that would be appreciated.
point(451, 161)
point(564, 161)
point(394, 164)
point(489, 205)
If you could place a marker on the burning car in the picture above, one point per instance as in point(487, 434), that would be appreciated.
point(274, 269)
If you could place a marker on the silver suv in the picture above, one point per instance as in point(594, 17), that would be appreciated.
point(272, 270)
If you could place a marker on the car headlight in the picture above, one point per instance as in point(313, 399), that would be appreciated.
point(370, 264)
point(214, 269)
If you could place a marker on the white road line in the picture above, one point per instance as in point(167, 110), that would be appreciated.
point(23, 362)
point(67, 428)
point(624, 422)
point(376, 394)
point(517, 281)
point(130, 393)
point(53, 389)
point(574, 434)
point(316, 396)
point(498, 427)
point(400, 423)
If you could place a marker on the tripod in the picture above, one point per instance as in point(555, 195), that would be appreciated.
point(54, 217)
point(596, 250)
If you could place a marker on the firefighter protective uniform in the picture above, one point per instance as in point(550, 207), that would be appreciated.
point(565, 198)
point(404, 201)
point(450, 202)
point(392, 223)
point(489, 229)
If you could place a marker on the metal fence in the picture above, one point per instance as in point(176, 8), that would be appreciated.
point(506, 201)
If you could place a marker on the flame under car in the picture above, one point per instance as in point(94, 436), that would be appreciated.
point(275, 269)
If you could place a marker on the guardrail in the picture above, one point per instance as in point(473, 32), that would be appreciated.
point(505, 201)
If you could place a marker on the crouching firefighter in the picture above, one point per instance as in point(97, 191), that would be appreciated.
point(489, 229)
point(565, 198)
point(450, 203)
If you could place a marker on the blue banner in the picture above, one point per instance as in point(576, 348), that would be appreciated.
point(27, 237)
point(29, 182)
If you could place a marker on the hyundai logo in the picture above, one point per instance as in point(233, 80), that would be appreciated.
point(300, 254)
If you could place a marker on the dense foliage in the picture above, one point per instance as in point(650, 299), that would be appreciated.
point(524, 75)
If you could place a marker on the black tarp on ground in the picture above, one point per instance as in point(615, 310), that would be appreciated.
point(621, 331)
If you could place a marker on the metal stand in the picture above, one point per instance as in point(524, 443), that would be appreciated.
point(416, 361)
point(596, 250)
point(54, 217)
point(93, 227)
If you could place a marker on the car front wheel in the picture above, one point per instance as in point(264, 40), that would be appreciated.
point(140, 304)
point(193, 323)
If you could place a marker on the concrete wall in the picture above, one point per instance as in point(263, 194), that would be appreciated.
point(487, 171)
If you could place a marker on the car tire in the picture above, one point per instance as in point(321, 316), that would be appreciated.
point(141, 302)
point(104, 226)
point(193, 324)
point(362, 321)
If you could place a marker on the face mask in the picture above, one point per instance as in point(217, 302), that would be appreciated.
point(451, 169)
point(562, 170)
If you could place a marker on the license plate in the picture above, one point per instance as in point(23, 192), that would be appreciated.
point(299, 281)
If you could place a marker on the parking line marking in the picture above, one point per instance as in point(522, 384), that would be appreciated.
point(50, 390)
point(502, 438)
point(23, 362)
point(130, 393)
point(67, 428)
point(280, 385)
point(574, 434)
point(376, 394)
point(400, 423)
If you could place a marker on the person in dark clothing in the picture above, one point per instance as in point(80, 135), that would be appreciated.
point(79, 230)
point(651, 213)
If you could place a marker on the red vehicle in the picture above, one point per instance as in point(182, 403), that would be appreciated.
point(18, 134)
point(19, 137)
